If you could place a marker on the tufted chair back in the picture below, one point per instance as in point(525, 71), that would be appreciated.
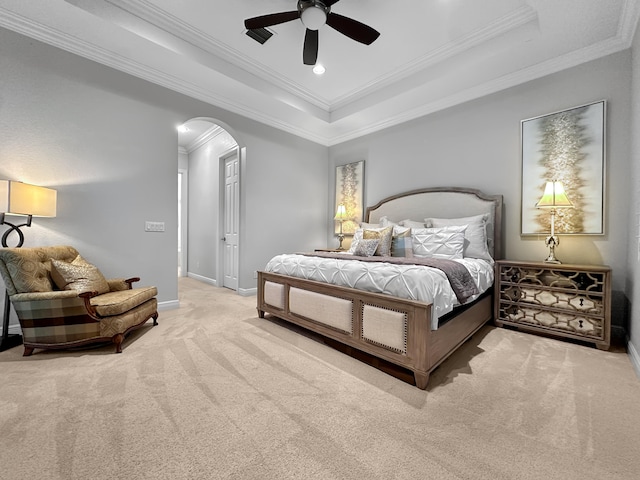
point(26, 270)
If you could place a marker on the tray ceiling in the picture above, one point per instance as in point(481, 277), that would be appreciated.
point(431, 54)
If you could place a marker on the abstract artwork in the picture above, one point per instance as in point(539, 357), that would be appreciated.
point(349, 192)
point(568, 147)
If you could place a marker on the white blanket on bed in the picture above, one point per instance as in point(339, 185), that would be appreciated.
point(415, 282)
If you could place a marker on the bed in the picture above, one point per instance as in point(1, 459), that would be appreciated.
point(395, 329)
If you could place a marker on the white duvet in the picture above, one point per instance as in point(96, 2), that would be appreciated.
point(415, 282)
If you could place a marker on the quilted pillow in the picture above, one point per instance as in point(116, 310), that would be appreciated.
point(402, 243)
point(475, 236)
point(366, 247)
point(79, 276)
point(357, 236)
point(384, 235)
point(446, 242)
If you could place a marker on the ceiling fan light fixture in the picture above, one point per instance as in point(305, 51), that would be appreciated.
point(313, 17)
point(318, 69)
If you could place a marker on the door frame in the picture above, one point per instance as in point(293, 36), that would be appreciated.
point(184, 221)
point(221, 212)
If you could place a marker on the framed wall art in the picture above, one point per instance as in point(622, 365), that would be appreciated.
point(568, 147)
point(350, 193)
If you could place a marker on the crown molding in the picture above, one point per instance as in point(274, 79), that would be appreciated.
point(623, 40)
point(182, 30)
point(629, 21)
point(72, 44)
point(207, 136)
point(555, 65)
point(176, 27)
point(517, 19)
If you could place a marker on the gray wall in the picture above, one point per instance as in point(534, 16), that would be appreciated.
point(283, 200)
point(107, 142)
point(90, 133)
point(477, 145)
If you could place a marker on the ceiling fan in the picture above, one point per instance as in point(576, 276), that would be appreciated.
point(314, 14)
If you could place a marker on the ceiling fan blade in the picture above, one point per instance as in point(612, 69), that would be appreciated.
point(271, 19)
point(310, 51)
point(328, 3)
point(352, 28)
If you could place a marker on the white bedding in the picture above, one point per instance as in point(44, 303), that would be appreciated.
point(415, 282)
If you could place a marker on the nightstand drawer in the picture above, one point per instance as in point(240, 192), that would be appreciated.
point(578, 301)
point(554, 320)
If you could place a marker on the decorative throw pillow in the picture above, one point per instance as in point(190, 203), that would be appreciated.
point(446, 242)
point(81, 277)
point(366, 247)
point(385, 222)
point(412, 224)
point(402, 243)
point(365, 225)
point(357, 236)
point(384, 235)
point(79, 261)
point(475, 244)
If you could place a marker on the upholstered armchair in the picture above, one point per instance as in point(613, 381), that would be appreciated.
point(62, 301)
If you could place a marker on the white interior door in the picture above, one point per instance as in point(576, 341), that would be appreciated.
point(231, 221)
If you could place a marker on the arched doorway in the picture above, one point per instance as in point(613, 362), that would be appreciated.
point(209, 202)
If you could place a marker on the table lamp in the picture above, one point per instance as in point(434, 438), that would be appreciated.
point(21, 199)
point(554, 197)
point(341, 216)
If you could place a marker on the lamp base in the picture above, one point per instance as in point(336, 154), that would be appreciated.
point(10, 341)
point(551, 242)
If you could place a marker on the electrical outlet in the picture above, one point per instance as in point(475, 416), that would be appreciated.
point(154, 226)
point(255, 275)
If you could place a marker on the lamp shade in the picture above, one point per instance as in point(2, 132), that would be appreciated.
point(554, 196)
point(17, 198)
point(341, 213)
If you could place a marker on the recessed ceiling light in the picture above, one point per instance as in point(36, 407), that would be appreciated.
point(183, 128)
point(318, 69)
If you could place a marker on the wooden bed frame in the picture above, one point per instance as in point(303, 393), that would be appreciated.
point(390, 328)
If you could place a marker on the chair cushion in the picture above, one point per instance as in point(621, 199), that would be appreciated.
point(116, 303)
point(78, 275)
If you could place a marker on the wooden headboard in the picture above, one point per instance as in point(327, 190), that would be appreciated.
point(443, 202)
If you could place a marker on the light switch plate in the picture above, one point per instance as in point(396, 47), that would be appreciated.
point(154, 226)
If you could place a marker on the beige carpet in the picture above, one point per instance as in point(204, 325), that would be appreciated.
point(214, 392)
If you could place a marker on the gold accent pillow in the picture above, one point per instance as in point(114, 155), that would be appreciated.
point(78, 275)
point(384, 235)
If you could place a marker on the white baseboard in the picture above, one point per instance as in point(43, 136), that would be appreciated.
point(247, 292)
point(201, 278)
point(634, 357)
point(168, 305)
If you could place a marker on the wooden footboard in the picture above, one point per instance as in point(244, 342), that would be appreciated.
point(389, 328)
